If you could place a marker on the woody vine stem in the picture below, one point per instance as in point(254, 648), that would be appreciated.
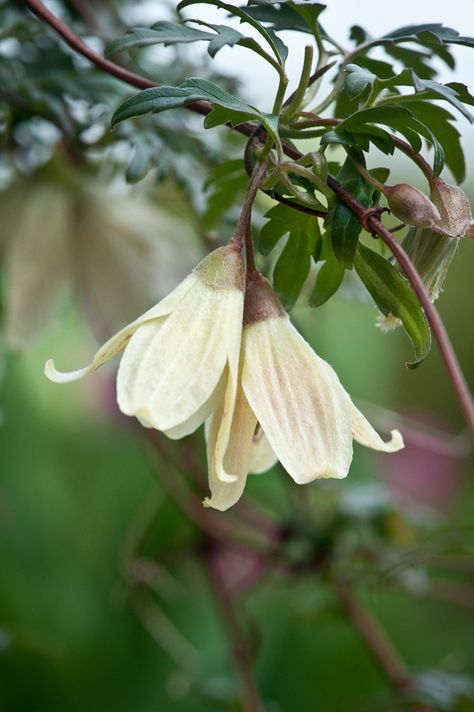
point(447, 351)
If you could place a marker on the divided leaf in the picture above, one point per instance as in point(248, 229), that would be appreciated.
point(293, 265)
point(279, 49)
point(400, 119)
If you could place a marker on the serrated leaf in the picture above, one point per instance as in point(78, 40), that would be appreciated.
point(327, 282)
point(393, 295)
point(279, 48)
point(156, 100)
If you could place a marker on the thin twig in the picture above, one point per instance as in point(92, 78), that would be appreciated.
point(374, 636)
point(241, 654)
point(248, 129)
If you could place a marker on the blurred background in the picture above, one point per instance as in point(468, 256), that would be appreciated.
point(105, 602)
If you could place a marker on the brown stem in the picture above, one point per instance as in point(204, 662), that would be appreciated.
point(242, 657)
point(248, 129)
point(243, 230)
point(377, 641)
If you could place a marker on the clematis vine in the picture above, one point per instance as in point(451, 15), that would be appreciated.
point(206, 353)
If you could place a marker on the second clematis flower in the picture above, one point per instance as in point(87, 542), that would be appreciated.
point(181, 357)
point(290, 406)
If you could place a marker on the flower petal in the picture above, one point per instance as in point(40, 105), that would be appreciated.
point(172, 367)
point(365, 434)
point(298, 400)
point(122, 337)
point(237, 456)
point(262, 457)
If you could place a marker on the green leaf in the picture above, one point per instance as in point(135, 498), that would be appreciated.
point(167, 33)
point(438, 120)
point(227, 190)
point(403, 121)
point(280, 50)
point(434, 39)
point(444, 92)
point(293, 265)
point(327, 282)
point(289, 16)
point(357, 80)
point(223, 170)
point(380, 138)
point(345, 225)
point(393, 295)
point(304, 241)
point(156, 100)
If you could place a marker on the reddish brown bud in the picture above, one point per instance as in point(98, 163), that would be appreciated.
point(411, 205)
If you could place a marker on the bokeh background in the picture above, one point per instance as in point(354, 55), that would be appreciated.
point(103, 602)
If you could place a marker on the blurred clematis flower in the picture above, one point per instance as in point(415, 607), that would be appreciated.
point(117, 252)
point(181, 357)
point(290, 406)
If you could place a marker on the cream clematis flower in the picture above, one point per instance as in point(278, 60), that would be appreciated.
point(181, 357)
point(307, 419)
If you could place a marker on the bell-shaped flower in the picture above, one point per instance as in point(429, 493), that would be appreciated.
point(290, 406)
point(115, 251)
point(181, 357)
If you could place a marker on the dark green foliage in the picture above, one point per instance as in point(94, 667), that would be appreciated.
point(392, 294)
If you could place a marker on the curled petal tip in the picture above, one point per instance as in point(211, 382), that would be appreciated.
point(396, 441)
point(60, 377)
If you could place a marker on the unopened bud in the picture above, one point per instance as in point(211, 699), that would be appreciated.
point(432, 254)
point(454, 209)
point(411, 205)
point(320, 164)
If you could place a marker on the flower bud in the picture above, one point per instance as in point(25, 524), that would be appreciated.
point(431, 253)
point(454, 209)
point(411, 205)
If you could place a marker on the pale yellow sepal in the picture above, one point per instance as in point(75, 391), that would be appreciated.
point(366, 435)
point(237, 458)
point(298, 400)
point(118, 342)
point(171, 372)
point(181, 357)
